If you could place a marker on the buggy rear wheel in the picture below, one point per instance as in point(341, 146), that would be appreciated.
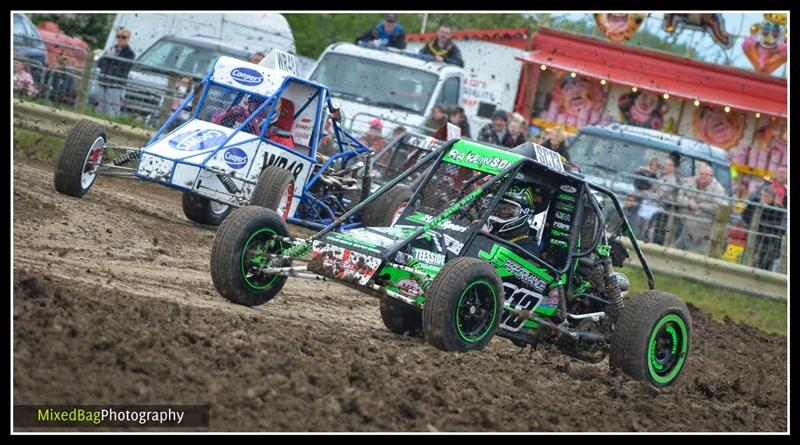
point(274, 190)
point(82, 153)
point(203, 210)
point(243, 244)
point(386, 209)
point(652, 338)
point(401, 318)
point(463, 305)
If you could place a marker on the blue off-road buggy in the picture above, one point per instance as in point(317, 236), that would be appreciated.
point(247, 134)
point(491, 242)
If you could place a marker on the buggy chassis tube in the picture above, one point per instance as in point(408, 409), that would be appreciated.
point(651, 282)
point(388, 185)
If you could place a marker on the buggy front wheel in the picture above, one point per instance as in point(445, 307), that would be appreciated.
point(246, 241)
point(81, 155)
point(463, 305)
point(652, 338)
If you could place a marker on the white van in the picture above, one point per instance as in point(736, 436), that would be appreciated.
point(491, 79)
point(250, 32)
point(396, 87)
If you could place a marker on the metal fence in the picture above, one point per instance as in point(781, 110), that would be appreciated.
point(147, 95)
point(742, 231)
point(738, 230)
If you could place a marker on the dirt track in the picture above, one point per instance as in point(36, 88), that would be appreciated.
point(113, 303)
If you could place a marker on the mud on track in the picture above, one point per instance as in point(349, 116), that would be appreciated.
point(113, 303)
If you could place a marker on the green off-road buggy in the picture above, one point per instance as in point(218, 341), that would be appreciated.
point(491, 242)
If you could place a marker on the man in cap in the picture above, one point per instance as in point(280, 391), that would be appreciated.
point(495, 131)
point(387, 33)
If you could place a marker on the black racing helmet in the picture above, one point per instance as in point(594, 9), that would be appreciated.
point(512, 215)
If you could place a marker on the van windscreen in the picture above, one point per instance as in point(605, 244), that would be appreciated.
point(376, 83)
point(182, 57)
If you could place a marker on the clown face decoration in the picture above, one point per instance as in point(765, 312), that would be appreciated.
point(575, 102)
point(769, 147)
point(766, 46)
point(717, 127)
point(618, 27)
point(643, 109)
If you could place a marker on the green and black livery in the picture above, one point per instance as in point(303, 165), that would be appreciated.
point(440, 273)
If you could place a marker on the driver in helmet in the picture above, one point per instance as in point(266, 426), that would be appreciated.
point(511, 219)
point(235, 115)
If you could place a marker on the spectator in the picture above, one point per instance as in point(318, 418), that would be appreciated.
point(185, 85)
point(374, 137)
point(398, 131)
point(442, 47)
point(644, 205)
point(115, 73)
point(23, 81)
point(62, 83)
point(770, 228)
point(665, 194)
point(387, 33)
point(699, 210)
point(779, 184)
point(556, 139)
point(256, 57)
point(459, 117)
point(495, 131)
point(741, 195)
point(515, 136)
point(438, 117)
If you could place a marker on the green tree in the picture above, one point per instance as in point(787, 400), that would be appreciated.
point(91, 28)
point(314, 32)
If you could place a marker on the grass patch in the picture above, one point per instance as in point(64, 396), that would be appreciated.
point(126, 119)
point(762, 313)
point(37, 146)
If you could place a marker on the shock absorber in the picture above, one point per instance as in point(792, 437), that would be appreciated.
point(228, 183)
point(366, 185)
point(615, 303)
point(126, 158)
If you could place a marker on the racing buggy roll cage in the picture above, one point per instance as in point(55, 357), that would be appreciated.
point(301, 247)
point(355, 147)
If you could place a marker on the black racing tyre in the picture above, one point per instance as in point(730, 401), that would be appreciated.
point(383, 211)
point(203, 210)
point(401, 318)
point(81, 154)
point(239, 247)
point(463, 305)
point(274, 190)
point(652, 338)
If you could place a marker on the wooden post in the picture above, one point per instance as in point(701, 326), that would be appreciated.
point(669, 231)
point(747, 255)
point(82, 100)
point(169, 96)
point(719, 232)
point(782, 268)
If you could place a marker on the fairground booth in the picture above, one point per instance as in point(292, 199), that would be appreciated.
point(573, 80)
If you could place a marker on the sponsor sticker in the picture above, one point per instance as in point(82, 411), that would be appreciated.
point(235, 157)
point(568, 188)
point(409, 287)
point(247, 76)
point(522, 274)
point(197, 140)
point(428, 257)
